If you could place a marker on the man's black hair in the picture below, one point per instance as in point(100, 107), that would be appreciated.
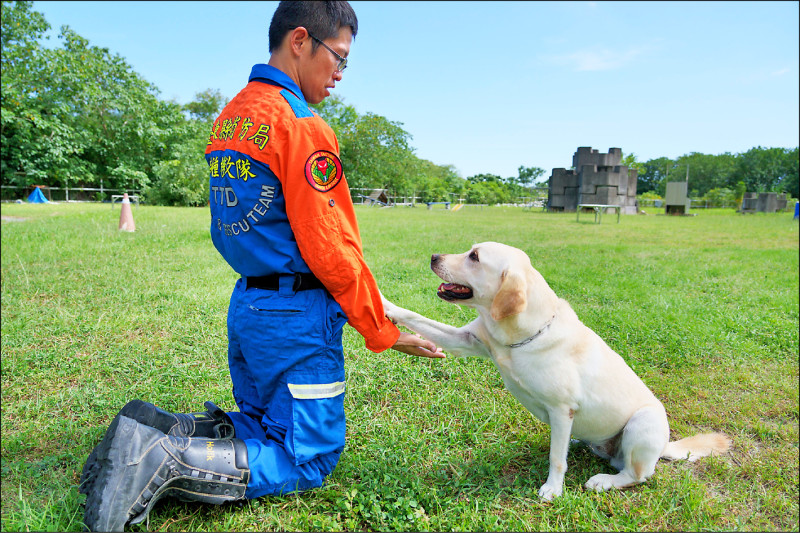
point(321, 19)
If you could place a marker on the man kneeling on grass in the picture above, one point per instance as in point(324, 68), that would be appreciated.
point(282, 217)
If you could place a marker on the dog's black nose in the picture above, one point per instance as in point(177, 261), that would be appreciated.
point(435, 259)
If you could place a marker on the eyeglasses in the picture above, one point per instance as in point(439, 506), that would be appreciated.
point(342, 60)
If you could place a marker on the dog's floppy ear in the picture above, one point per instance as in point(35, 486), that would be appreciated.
point(512, 298)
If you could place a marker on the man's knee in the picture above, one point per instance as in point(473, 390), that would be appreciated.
point(273, 471)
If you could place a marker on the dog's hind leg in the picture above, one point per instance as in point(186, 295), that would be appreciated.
point(643, 440)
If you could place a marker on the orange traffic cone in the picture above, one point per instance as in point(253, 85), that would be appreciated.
point(125, 215)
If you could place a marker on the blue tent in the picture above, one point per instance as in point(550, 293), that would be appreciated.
point(36, 197)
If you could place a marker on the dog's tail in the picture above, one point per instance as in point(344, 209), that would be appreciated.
point(693, 448)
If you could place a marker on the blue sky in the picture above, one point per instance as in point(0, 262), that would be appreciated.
point(490, 86)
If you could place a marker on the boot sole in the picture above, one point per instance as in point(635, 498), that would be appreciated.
point(109, 465)
point(138, 410)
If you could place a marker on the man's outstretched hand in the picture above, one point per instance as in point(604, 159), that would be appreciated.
point(416, 345)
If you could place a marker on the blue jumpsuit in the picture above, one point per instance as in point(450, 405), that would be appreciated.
point(280, 206)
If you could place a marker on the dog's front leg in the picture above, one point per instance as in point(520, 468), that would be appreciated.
point(560, 431)
point(458, 341)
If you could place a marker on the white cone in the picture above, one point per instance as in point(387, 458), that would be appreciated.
point(125, 215)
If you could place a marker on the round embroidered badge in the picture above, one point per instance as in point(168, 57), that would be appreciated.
point(323, 170)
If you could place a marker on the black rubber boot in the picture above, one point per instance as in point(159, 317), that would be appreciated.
point(213, 424)
point(138, 465)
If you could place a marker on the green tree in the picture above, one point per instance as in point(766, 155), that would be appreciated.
point(431, 189)
point(206, 105)
point(652, 176)
point(487, 192)
point(738, 193)
point(631, 162)
point(375, 153)
point(339, 116)
point(25, 112)
point(478, 178)
point(181, 174)
point(760, 169)
point(439, 182)
point(121, 121)
point(790, 182)
point(706, 171)
point(720, 197)
point(528, 176)
point(77, 114)
point(769, 169)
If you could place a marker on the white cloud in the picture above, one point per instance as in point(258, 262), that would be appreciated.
point(597, 59)
point(782, 71)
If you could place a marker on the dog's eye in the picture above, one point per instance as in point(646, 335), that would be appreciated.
point(474, 256)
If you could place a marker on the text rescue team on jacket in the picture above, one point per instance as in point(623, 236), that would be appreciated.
point(280, 203)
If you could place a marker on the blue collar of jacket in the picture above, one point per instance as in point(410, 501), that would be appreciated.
point(273, 76)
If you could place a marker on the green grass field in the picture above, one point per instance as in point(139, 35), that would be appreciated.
point(704, 309)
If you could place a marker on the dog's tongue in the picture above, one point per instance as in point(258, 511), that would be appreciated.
point(454, 287)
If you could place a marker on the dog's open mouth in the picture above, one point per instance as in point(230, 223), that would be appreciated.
point(454, 291)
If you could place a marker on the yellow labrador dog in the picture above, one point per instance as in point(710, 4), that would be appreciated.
point(558, 368)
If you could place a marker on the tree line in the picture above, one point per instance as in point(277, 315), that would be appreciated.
point(79, 116)
point(722, 178)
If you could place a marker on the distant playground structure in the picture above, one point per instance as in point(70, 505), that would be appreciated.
point(373, 197)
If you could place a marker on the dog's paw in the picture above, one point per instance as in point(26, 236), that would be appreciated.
point(600, 482)
point(548, 492)
point(603, 482)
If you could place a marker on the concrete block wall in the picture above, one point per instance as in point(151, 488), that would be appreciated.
point(586, 156)
point(597, 179)
point(766, 202)
point(563, 190)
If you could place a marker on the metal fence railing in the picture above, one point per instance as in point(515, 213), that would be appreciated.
point(11, 193)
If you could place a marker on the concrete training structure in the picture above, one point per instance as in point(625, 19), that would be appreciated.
point(677, 201)
point(596, 179)
point(763, 202)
